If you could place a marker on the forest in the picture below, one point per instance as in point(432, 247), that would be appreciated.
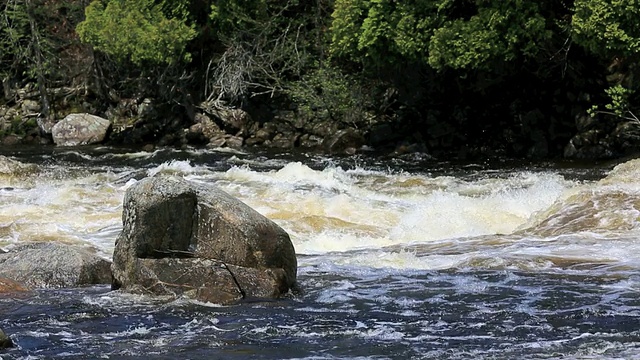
point(448, 78)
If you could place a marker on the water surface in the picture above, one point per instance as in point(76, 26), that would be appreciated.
point(399, 258)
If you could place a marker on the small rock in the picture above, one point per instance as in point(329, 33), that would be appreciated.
point(234, 142)
point(10, 140)
point(10, 167)
point(5, 341)
point(148, 148)
point(343, 142)
point(234, 120)
point(30, 106)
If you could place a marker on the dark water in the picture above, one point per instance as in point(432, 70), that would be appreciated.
point(391, 291)
point(366, 314)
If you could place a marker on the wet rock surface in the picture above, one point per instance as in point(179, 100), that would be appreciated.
point(181, 238)
point(53, 265)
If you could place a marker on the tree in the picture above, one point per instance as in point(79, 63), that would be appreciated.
point(379, 32)
point(444, 33)
point(138, 31)
point(499, 31)
point(609, 29)
point(26, 50)
point(14, 42)
point(264, 45)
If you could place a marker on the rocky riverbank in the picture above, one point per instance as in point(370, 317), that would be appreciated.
point(146, 123)
point(149, 124)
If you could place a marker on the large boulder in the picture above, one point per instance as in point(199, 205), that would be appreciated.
point(182, 238)
point(54, 265)
point(80, 129)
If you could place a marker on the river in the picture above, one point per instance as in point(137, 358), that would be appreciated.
point(398, 259)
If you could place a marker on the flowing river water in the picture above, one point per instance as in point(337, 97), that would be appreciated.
point(398, 259)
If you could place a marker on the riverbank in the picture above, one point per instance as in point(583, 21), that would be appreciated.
point(149, 125)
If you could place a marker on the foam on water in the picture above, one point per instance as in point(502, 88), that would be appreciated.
point(391, 264)
point(331, 210)
point(81, 209)
point(364, 217)
point(174, 167)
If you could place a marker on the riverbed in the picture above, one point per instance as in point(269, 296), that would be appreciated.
point(399, 258)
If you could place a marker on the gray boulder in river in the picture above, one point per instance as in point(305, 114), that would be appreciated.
point(185, 239)
point(80, 129)
point(54, 265)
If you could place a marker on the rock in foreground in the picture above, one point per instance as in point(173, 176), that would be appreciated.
point(5, 341)
point(54, 265)
point(181, 238)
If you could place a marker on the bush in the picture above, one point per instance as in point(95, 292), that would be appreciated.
point(137, 31)
point(328, 94)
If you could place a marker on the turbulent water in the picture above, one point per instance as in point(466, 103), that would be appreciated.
point(398, 259)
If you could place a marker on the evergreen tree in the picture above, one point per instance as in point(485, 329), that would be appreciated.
point(138, 31)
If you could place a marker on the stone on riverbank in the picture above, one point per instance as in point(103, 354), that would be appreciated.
point(80, 129)
point(182, 238)
point(345, 141)
point(54, 265)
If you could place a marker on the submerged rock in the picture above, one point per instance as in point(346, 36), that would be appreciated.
point(5, 341)
point(80, 129)
point(181, 238)
point(54, 265)
point(10, 167)
point(8, 286)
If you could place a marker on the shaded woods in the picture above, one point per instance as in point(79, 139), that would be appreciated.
point(458, 78)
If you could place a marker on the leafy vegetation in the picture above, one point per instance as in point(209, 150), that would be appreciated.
point(327, 93)
point(137, 30)
point(607, 27)
point(454, 71)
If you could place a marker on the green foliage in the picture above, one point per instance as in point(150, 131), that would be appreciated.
point(18, 126)
point(327, 93)
point(138, 31)
point(610, 30)
point(499, 31)
point(619, 96)
point(437, 32)
point(607, 27)
point(618, 102)
point(238, 14)
point(25, 45)
point(381, 30)
point(14, 36)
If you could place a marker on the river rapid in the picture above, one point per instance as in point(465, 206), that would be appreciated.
point(398, 259)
